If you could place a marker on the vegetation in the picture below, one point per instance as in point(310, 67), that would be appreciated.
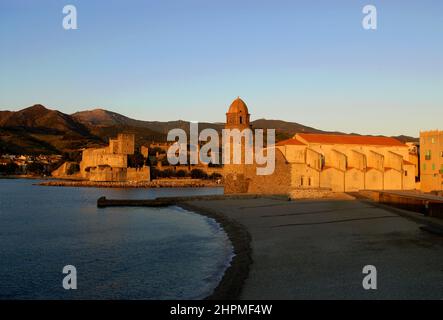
point(73, 156)
point(9, 169)
point(194, 174)
point(198, 174)
point(36, 168)
point(74, 168)
point(136, 160)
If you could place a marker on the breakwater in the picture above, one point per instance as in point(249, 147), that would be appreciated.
point(170, 183)
point(103, 202)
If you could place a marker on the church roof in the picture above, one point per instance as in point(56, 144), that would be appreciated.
point(350, 139)
point(238, 106)
point(290, 142)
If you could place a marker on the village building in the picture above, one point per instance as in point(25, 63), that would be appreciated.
point(431, 159)
point(339, 163)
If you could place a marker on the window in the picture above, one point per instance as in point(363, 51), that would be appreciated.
point(240, 120)
point(428, 155)
point(433, 166)
point(432, 140)
point(309, 181)
point(424, 166)
point(406, 173)
point(301, 181)
point(441, 154)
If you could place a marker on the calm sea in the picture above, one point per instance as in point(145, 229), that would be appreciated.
point(119, 253)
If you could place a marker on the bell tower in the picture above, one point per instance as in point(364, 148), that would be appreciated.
point(235, 180)
point(238, 116)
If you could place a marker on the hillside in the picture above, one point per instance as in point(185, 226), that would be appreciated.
point(37, 129)
point(104, 118)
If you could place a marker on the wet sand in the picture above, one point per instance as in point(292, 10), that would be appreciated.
point(317, 250)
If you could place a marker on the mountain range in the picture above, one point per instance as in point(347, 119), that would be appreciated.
point(39, 130)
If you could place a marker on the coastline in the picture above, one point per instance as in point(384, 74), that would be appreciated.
point(231, 284)
point(233, 280)
point(173, 183)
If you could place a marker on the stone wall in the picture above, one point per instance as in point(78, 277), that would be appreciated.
point(107, 174)
point(138, 174)
point(354, 180)
point(244, 178)
point(374, 179)
point(310, 193)
point(333, 179)
point(66, 169)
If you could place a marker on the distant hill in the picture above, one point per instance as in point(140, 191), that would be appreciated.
point(104, 118)
point(37, 129)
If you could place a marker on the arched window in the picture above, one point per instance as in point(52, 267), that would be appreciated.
point(240, 119)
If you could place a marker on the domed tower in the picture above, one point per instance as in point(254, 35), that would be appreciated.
point(235, 180)
point(238, 115)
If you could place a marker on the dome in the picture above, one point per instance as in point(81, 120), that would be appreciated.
point(238, 106)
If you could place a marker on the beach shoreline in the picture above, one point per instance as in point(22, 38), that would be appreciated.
point(231, 284)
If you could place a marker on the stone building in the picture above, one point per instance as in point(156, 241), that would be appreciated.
point(340, 163)
point(414, 152)
point(111, 163)
point(431, 159)
point(235, 175)
point(348, 162)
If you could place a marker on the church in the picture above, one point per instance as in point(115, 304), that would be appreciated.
point(310, 162)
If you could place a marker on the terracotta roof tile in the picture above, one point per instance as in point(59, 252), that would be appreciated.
point(290, 142)
point(350, 139)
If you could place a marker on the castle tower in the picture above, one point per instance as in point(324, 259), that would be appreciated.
point(237, 117)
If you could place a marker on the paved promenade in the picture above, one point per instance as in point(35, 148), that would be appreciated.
point(317, 249)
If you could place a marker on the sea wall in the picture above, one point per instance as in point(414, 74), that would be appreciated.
point(167, 183)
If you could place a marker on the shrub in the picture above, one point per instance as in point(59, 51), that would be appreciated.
point(180, 173)
point(35, 168)
point(198, 174)
point(73, 168)
point(215, 176)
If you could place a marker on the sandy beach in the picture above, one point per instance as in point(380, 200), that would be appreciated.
point(317, 249)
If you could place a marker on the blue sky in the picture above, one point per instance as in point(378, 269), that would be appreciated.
point(305, 61)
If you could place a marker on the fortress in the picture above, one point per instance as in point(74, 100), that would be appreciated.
point(309, 162)
point(111, 163)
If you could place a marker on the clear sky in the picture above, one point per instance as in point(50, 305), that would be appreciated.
point(304, 61)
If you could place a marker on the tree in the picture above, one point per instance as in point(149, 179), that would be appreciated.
point(153, 151)
point(215, 176)
point(198, 174)
point(73, 156)
point(136, 160)
point(10, 168)
point(73, 168)
point(35, 168)
point(180, 173)
point(168, 173)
